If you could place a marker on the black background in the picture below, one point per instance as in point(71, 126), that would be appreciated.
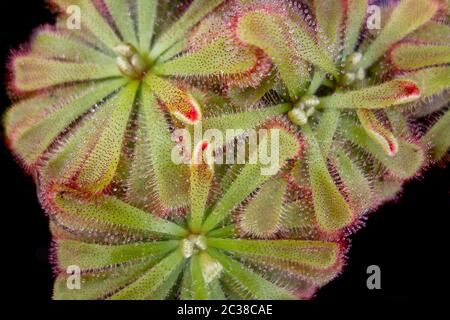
point(398, 238)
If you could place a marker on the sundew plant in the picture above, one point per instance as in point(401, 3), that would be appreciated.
point(351, 96)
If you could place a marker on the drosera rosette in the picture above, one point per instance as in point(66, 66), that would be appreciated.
point(424, 57)
point(79, 89)
point(346, 97)
point(358, 112)
point(127, 253)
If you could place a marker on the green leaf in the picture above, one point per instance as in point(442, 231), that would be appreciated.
point(410, 55)
point(91, 155)
point(356, 184)
point(34, 73)
point(33, 124)
point(386, 189)
point(233, 289)
point(101, 284)
point(433, 31)
point(196, 11)
point(330, 17)
point(300, 278)
point(186, 284)
point(121, 14)
point(173, 51)
point(93, 20)
point(439, 137)
point(332, 211)
point(216, 291)
point(316, 254)
point(247, 97)
point(108, 213)
point(300, 173)
point(299, 216)
point(219, 58)
point(168, 289)
point(263, 215)
point(408, 16)
point(326, 129)
point(202, 173)
point(258, 287)
point(356, 13)
point(271, 33)
point(398, 121)
point(200, 290)
point(88, 256)
point(316, 81)
point(146, 19)
point(60, 45)
point(311, 49)
point(253, 175)
point(152, 164)
point(387, 94)
point(225, 232)
point(161, 276)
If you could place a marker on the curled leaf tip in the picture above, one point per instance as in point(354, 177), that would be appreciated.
point(191, 116)
point(411, 92)
point(203, 154)
point(378, 131)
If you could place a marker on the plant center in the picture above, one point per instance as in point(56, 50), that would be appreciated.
point(303, 109)
point(130, 62)
point(352, 71)
point(193, 244)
